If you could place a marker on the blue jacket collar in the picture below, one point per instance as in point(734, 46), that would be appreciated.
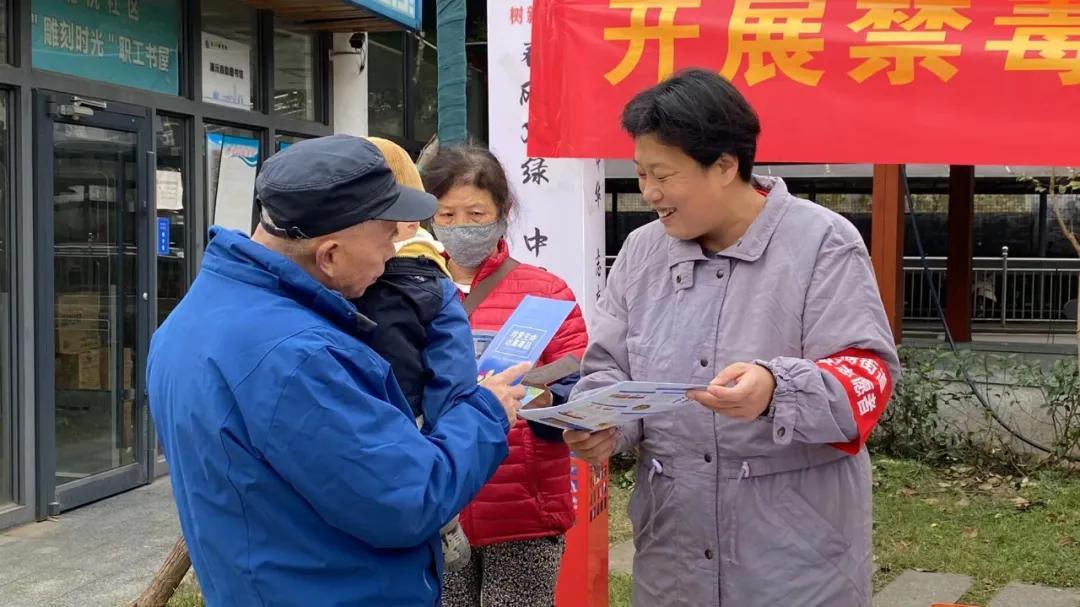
point(234, 255)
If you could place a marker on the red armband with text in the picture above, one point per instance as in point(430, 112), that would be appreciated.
point(868, 384)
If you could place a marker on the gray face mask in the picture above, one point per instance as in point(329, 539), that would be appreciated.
point(469, 245)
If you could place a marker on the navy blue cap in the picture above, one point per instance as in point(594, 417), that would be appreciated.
point(325, 185)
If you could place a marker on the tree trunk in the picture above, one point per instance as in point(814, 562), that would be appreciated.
point(167, 578)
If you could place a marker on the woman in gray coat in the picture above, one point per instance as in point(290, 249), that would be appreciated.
point(761, 496)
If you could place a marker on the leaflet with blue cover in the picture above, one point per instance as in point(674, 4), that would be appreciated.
point(523, 337)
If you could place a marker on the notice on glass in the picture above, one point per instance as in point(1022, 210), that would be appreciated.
point(226, 72)
point(612, 407)
point(170, 190)
point(235, 195)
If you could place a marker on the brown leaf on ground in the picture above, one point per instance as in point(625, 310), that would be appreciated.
point(906, 492)
point(971, 533)
point(962, 503)
point(1066, 540)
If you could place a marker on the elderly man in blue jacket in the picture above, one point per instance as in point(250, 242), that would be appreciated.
point(298, 471)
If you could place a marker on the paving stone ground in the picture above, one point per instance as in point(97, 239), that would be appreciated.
point(916, 589)
point(101, 555)
point(919, 589)
point(1023, 595)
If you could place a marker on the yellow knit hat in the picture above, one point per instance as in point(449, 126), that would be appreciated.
point(400, 163)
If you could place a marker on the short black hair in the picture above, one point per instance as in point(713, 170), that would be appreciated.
point(701, 113)
point(469, 165)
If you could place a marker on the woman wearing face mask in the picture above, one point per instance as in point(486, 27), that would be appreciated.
point(517, 524)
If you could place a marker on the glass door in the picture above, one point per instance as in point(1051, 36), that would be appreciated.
point(93, 186)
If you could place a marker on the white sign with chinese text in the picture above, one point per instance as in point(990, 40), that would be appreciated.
point(560, 221)
point(226, 72)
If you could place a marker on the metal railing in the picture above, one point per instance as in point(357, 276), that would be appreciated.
point(1004, 290)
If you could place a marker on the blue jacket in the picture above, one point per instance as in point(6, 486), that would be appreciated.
point(298, 471)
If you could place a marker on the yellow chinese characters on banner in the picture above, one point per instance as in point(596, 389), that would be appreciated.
point(1046, 38)
point(665, 32)
point(905, 41)
point(902, 33)
point(772, 35)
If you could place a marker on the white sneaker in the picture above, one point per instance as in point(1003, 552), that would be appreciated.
point(456, 550)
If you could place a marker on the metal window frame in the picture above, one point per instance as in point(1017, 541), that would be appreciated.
point(8, 384)
point(136, 120)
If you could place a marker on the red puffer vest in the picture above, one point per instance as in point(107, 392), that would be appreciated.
point(529, 496)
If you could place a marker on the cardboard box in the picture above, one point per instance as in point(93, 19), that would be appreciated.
point(80, 317)
point(88, 301)
point(75, 307)
point(67, 371)
point(77, 340)
point(129, 368)
point(80, 324)
point(94, 370)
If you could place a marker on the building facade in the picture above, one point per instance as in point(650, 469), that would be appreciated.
point(127, 128)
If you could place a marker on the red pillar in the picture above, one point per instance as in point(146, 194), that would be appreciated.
point(958, 273)
point(887, 242)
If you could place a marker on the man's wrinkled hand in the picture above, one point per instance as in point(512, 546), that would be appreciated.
point(593, 447)
point(509, 396)
point(742, 391)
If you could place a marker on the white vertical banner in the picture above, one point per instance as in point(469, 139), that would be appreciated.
point(560, 220)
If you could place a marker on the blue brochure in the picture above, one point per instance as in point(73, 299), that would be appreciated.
point(524, 336)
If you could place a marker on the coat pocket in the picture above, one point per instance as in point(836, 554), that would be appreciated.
point(819, 533)
point(659, 562)
point(786, 553)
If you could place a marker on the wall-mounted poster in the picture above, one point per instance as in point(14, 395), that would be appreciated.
point(235, 195)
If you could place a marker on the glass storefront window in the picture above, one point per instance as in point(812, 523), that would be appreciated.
point(95, 192)
point(294, 74)
point(126, 42)
point(229, 57)
point(172, 183)
point(425, 93)
point(3, 38)
point(386, 85)
point(7, 429)
point(282, 141)
point(232, 160)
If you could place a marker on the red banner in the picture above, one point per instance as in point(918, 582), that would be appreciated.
point(883, 81)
